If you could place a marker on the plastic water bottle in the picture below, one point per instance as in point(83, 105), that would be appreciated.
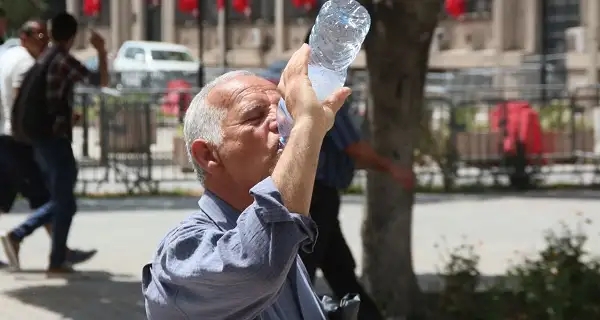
point(335, 41)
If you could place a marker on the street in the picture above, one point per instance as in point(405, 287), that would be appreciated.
point(109, 288)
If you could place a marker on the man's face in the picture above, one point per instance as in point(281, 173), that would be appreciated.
point(249, 150)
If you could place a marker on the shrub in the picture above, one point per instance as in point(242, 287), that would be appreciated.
point(562, 281)
point(460, 274)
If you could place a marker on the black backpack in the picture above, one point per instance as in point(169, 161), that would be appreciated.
point(31, 119)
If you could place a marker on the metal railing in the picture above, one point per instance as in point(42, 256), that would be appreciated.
point(130, 140)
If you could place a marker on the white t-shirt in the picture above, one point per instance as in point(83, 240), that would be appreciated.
point(14, 63)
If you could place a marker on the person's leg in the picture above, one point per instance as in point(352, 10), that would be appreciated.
point(8, 178)
point(57, 162)
point(35, 190)
point(32, 186)
point(322, 210)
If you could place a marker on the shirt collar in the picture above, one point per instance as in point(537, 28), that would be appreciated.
point(223, 214)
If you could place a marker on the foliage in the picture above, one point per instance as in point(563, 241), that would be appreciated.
point(561, 282)
point(461, 280)
point(20, 11)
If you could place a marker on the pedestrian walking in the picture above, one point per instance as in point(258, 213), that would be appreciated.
point(19, 173)
point(45, 121)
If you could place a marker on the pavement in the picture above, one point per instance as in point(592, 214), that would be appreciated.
point(126, 232)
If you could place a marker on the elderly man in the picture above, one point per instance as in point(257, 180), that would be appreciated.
point(236, 258)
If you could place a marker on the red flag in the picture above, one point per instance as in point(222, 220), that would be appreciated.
point(456, 8)
point(91, 7)
point(242, 6)
point(306, 4)
point(188, 6)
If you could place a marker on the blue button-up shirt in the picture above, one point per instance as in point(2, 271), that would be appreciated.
point(222, 264)
point(336, 168)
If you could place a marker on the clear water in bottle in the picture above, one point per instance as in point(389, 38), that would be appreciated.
point(335, 41)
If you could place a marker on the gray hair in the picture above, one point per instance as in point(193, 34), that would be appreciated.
point(203, 120)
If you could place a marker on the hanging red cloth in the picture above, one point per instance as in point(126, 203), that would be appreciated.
point(306, 4)
point(188, 6)
point(456, 8)
point(91, 7)
point(242, 6)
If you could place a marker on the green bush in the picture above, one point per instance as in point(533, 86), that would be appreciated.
point(561, 282)
point(461, 280)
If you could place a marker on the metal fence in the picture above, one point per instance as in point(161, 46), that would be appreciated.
point(467, 140)
point(130, 140)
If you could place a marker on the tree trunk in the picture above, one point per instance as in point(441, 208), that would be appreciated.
point(397, 58)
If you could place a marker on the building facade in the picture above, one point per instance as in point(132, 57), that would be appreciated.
point(493, 34)
point(274, 28)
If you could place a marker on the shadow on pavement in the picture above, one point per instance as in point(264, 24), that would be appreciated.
point(85, 296)
point(190, 203)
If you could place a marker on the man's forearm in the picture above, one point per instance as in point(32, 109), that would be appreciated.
point(294, 174)
point(103, 68)
point(364, 154)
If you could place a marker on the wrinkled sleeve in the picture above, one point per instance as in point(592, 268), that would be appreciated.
point(343, 133)
point(211, 274)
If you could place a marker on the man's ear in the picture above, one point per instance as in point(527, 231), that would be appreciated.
point(203, 154)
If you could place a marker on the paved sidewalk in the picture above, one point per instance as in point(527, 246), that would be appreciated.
point(109, 288)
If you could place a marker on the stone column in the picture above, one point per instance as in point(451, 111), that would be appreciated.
point(532, 25)
point(499, 43)
point(169, 28)
point(116, 24)
point(593, 9)
point(279, 38)
point(498, 24)
point(138, 28)
point(126, 18)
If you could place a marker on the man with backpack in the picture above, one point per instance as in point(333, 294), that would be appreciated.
point(19, 173)
point(45, 122)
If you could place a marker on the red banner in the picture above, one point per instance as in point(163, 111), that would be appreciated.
point(306, 4)
point(456, 8)
point(240, 6)
point(188, 6)
point(91, 7)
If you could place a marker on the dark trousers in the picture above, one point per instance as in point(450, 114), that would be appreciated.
point(20, 174)
point(332, 254)
point(59, 168)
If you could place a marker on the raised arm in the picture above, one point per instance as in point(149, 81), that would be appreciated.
point(219, 275)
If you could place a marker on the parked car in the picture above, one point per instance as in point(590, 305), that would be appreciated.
point(154, 64)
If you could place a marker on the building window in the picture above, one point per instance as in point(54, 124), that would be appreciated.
point(479, 6)
point(560, 15)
